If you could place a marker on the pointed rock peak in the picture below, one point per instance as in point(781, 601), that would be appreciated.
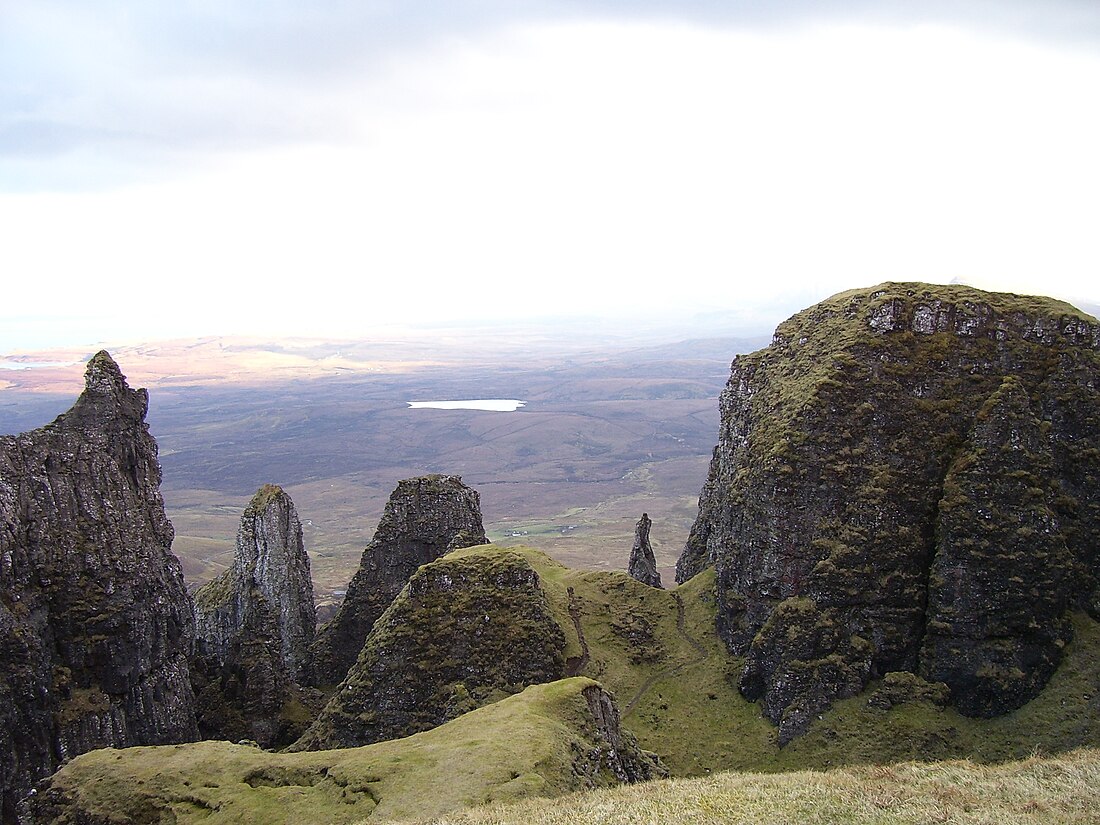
point(103, 374)
point(266, 496)
point(254, 624)
point(106, 390)
point(425, 518)
point(99, 643)
point(643, 564)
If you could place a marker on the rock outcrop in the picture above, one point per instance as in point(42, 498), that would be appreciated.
point(96, 626)
point(467, 629)
point(643, 566)
point(424, 518)
point(907, 479)
point(253, 627)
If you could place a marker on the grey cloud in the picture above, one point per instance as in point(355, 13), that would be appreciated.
point(160, 77)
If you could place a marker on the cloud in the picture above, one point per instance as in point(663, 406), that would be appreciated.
point(148, 87)
point(543, 162)
point(608, 168)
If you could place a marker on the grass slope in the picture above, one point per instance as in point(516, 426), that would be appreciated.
point(1057, 790)
point(525, 745)
point(675, 685)
point(657, 652)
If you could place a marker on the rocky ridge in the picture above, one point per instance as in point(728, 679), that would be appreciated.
point(96, 626)
point(254, 625)
point(906, 479)
point(425, 517)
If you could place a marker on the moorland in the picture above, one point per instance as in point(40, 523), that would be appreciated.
point(613, 424)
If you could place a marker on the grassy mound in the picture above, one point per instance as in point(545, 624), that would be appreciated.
point(537, 743)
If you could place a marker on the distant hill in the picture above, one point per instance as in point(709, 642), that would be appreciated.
point(614, 425)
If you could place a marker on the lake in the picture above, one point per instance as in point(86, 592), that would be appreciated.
point(492, 404)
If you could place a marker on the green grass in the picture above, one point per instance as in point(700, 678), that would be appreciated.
point(675, 685)
point(695, 734)
point(1065, 715)
point(522, 746)
point(1055, 791)
point(661, 681)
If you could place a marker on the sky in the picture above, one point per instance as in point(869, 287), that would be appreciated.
point(193, 168)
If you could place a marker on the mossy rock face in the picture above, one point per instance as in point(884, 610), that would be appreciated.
point(901, 687)
point(799, 649)
point(425, 517)
point(465, 631)
point(920, 463)
point(998, 591)
point(95, 622)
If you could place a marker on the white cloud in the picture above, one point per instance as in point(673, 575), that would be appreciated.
point(606, 167)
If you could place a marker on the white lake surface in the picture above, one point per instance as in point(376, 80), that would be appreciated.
point(493, 404)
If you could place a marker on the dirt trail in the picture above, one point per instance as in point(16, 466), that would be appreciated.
point(575, 665)
point(696, 645)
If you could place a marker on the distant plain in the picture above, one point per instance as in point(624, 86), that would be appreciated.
point(612, 426)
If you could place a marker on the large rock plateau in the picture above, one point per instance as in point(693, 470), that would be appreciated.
point(425, 517)
point(95, 623)
point(906, 479)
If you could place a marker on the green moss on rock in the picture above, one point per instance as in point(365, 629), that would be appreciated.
point(466, 630)
point(547, 741)
point(832, 482)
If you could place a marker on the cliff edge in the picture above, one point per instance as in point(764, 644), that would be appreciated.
point(96, 626)
point(906, 479)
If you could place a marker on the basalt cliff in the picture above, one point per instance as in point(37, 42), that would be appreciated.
point(425, 518)
point(465, 631)
point(95, 623)
point(906, 479)
point(254, 624)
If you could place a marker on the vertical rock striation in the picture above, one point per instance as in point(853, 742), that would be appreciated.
point(906, 479)
point(96, 627)
point(254, 624)
point(643, 566)
point(424, 518)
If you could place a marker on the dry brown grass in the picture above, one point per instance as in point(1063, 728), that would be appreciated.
point(1063, 789)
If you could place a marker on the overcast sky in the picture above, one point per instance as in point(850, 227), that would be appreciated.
point(194, 167)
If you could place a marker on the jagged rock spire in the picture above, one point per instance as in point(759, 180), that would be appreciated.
point(425, 518)
point(255, 622)
point(643, 565)
point(95, 621)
